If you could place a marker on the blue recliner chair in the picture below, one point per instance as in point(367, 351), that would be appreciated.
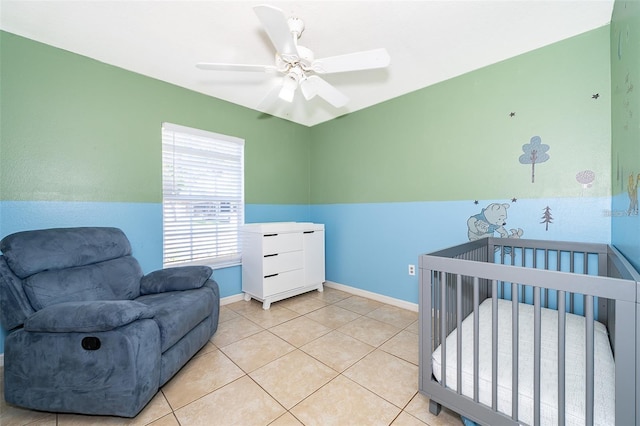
point(90, 333)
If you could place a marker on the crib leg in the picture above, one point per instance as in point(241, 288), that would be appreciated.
point(434, 407)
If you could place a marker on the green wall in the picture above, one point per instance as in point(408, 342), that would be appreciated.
point(75, 129)
point(457, 140)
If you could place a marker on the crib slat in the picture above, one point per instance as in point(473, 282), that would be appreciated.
point(561, 356)
point(494, 346)
point(450, 305)
point(589, 361)
point(536, 355)
point(443, 329)
point(514, 351)
point(546, 268)
point(426, 338)
point(437, 280)
point(459, 334)
point(572, 270)
point(523, 263)
point(476, 340)
point(435, 325)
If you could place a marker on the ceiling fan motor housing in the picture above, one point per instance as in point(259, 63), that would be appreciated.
point(305, 57)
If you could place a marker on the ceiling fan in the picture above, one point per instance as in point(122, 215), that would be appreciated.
point(298, 64)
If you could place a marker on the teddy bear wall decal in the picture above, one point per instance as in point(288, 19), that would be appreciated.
point(490, 220)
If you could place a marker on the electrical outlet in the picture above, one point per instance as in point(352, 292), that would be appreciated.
point(412, 269)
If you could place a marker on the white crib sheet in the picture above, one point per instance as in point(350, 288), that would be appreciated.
point(604, 377)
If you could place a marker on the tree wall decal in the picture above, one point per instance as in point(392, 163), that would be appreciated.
point(534, 152)
point(547, 218)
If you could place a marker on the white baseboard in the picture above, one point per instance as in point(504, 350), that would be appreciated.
point(347, 289)
point(231, 299)
point(374, 296)
point(1, 360)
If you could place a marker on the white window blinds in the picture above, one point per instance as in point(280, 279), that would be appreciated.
point(202, 196)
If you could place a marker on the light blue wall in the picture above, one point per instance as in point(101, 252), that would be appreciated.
point(142, 223)
point(369, 246)
point(625, 229)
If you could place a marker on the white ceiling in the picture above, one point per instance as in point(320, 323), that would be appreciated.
point(429, 41)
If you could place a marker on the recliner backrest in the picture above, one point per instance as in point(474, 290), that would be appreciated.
point(15, 307)
point(72, 264)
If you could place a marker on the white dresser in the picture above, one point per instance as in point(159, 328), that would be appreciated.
point(281, 259)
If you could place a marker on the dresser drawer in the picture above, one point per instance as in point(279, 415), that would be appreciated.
point(280, 243)
point(282, 262)
point(284, 281)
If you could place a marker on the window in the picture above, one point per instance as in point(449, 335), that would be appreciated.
point(202, 197)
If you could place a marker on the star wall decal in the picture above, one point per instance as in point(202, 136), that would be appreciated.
point(513, 114)
point(596, 96)
point(514, 199)
point(476, 202)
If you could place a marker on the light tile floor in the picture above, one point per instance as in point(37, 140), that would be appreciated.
point(321, 358)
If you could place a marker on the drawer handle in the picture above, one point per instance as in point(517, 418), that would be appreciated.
point(270, 235)
point(271, 255)
point(272, 275)
point(309, 232)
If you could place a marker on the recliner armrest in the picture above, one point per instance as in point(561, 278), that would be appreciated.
point(87, 316)
point(175, 279)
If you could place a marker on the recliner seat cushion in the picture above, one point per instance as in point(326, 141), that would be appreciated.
point(177, 312)
point(115, 279)
point(87, 317)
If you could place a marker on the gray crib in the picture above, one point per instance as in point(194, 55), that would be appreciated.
point(516, 331)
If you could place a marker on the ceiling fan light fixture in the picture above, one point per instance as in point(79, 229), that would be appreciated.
point(290, 83)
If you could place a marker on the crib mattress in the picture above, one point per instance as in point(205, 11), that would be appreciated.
point(604, 376)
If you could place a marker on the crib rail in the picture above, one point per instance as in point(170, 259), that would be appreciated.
point(591, 280)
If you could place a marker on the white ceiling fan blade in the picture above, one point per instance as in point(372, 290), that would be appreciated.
point(275, 24)
point(308, 88)
point(325, 91)
point(270, 98)
point(235, 67)
point(365, 60)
